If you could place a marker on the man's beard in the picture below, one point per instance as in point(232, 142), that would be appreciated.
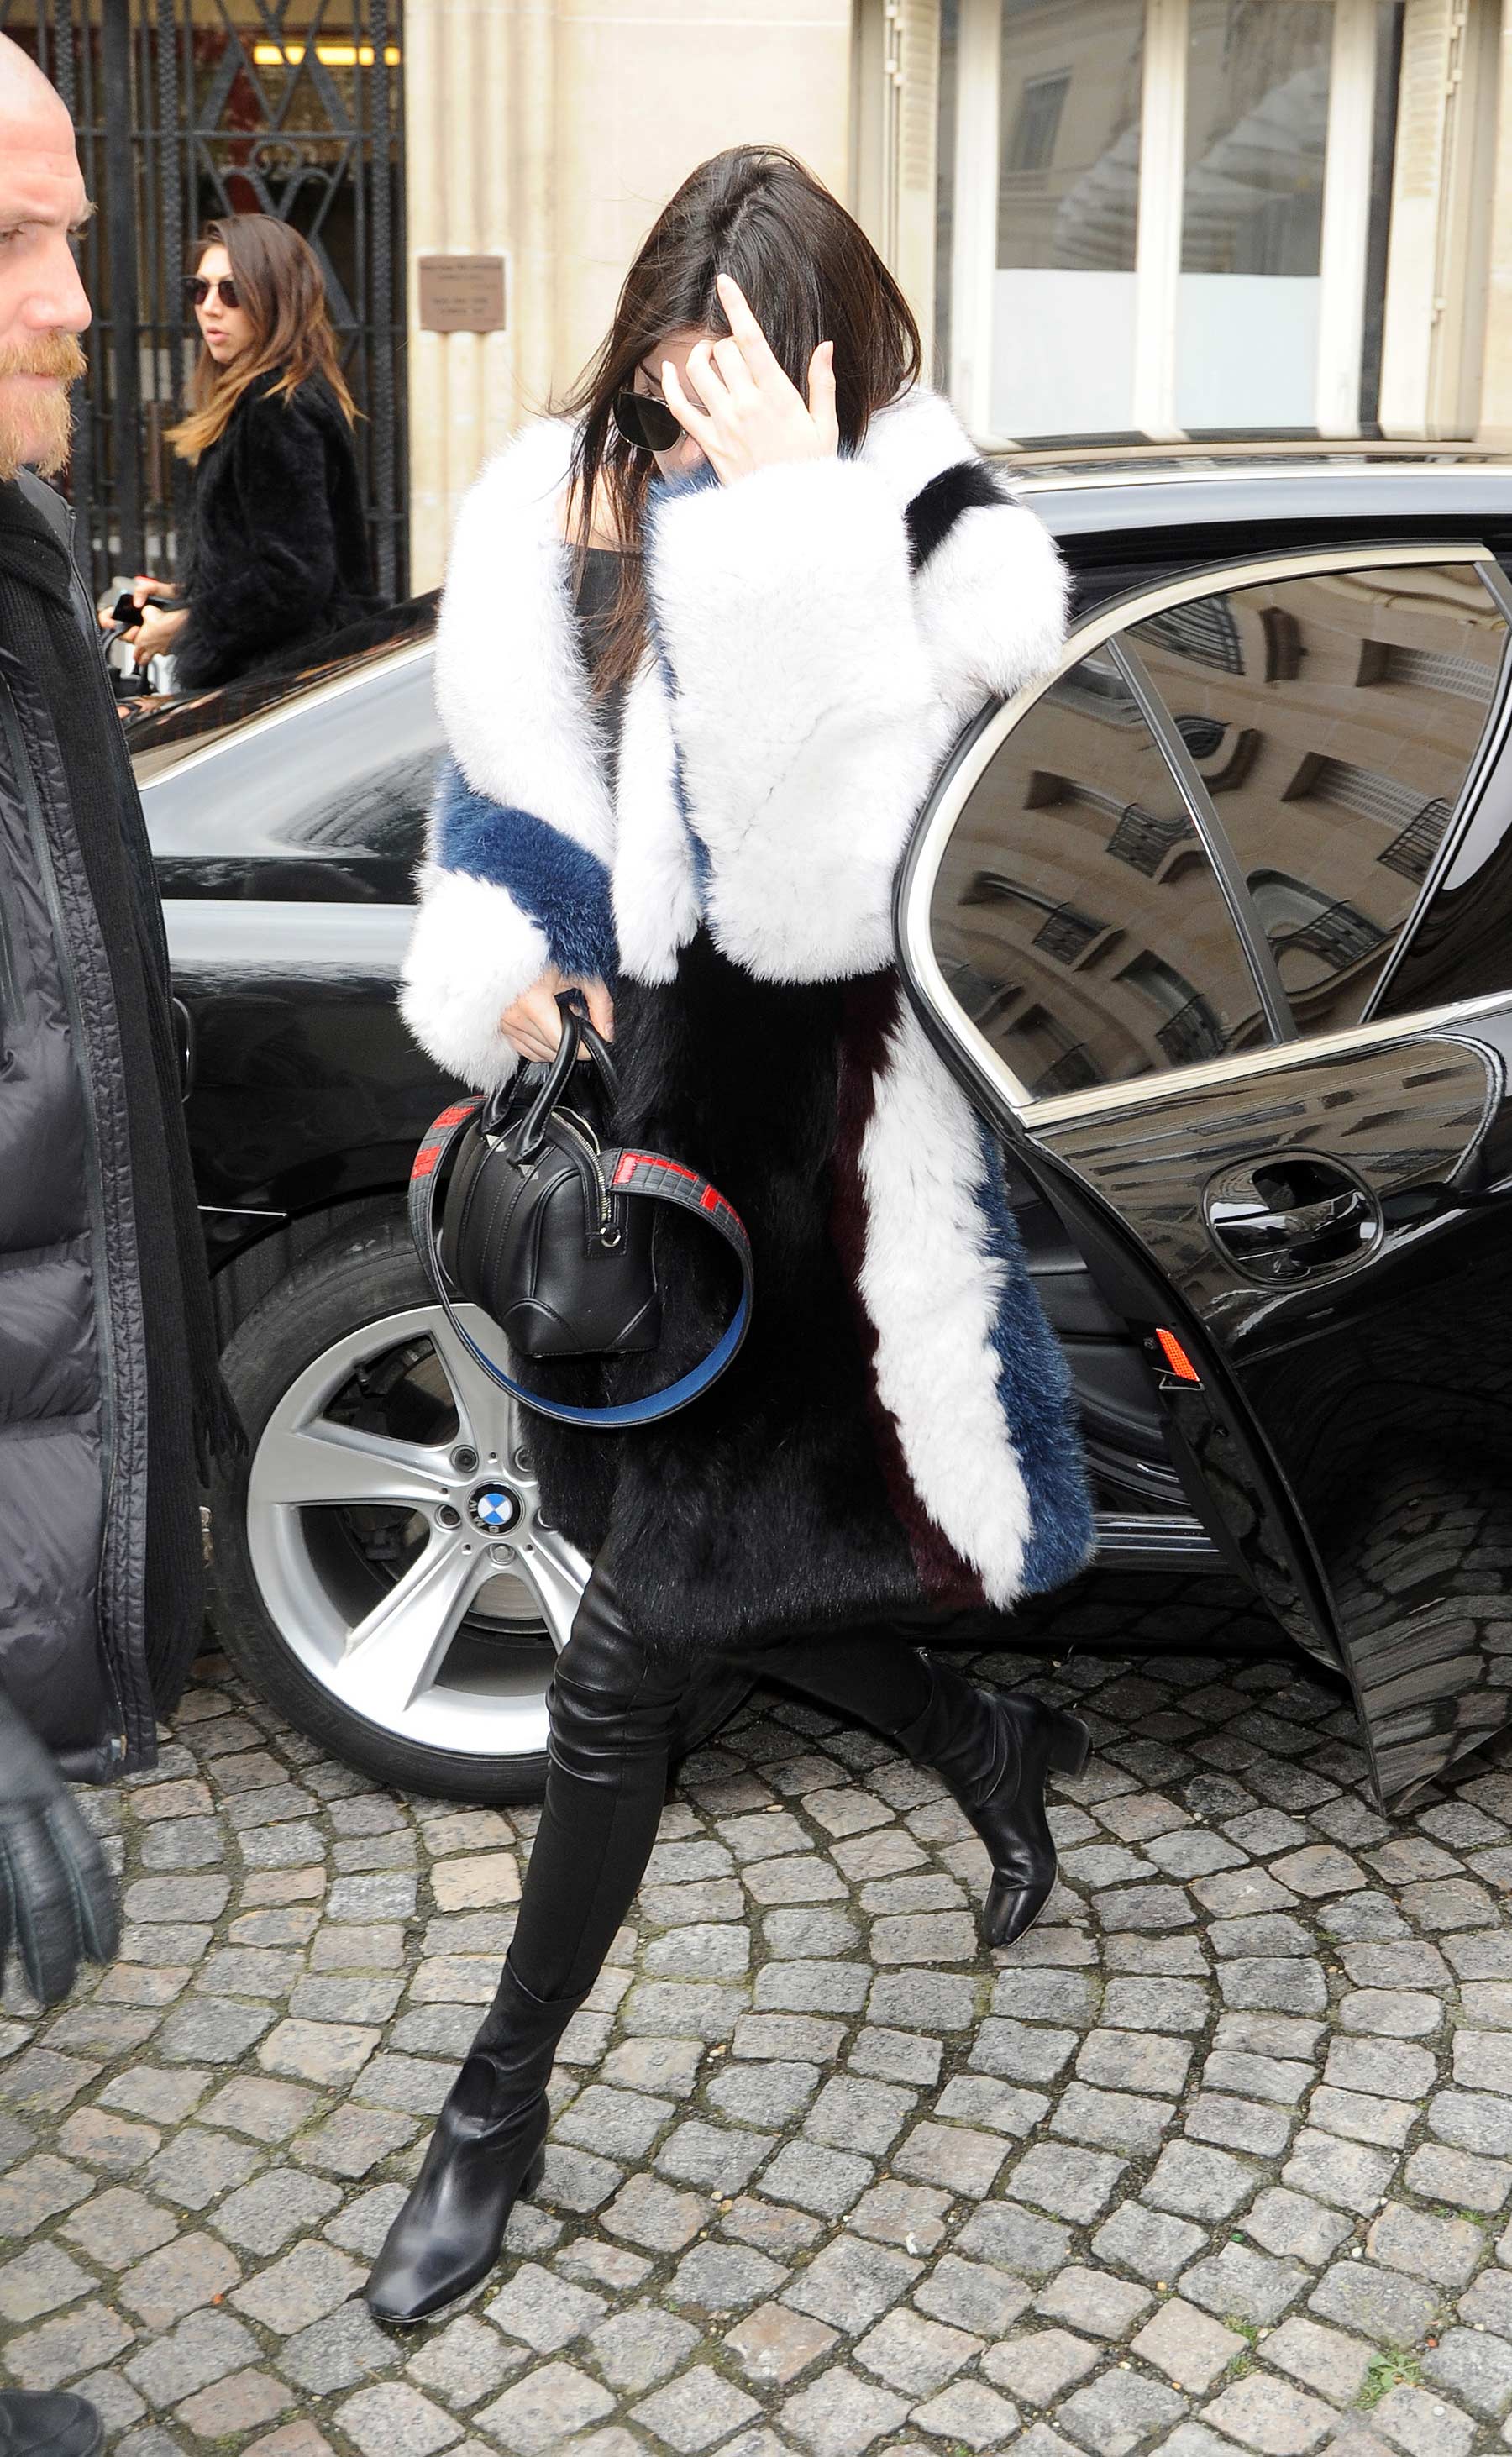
point(36, 434)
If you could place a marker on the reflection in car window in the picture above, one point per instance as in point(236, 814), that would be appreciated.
point(1461, 946)
point(324, 800)
point(1076, 916)
point(160, 733)
point(1333, 717)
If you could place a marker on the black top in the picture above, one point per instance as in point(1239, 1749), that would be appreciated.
point(595, 605)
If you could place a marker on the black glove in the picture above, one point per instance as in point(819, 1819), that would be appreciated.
point(57, 1897)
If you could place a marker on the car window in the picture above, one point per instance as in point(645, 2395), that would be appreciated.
point(1461, 946)
point(1333, 717)
point(326, 801)
point(1075, 913)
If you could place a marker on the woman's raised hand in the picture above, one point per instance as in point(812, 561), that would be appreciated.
point(752, 415)
point(533, 1024)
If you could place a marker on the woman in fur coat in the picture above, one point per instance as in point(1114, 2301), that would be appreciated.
point(277, 554)
point(703, 645)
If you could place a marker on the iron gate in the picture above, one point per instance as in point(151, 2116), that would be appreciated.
point(187, 109)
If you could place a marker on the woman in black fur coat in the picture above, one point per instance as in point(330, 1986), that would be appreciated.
point(703, 644)
point(278, 555)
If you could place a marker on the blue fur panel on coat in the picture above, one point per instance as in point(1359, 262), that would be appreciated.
point(1034, 1384)
point(553, 879)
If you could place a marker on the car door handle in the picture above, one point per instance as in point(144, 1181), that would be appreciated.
point(1288, 1214)
point(1311, 1220)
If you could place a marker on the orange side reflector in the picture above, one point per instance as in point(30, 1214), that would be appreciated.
point(1176, 1358)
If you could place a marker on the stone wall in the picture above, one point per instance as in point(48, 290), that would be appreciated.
point(552, 132)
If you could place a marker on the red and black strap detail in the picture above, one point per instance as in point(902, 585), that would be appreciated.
point(653, 1174)
point(438, 1136)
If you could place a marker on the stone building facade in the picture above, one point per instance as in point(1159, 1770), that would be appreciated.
point(1281, 216)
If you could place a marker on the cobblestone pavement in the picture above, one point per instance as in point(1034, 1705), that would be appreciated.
point(1216, 2160)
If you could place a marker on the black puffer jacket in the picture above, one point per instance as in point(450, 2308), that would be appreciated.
point(107, 1366)
point(277, 550)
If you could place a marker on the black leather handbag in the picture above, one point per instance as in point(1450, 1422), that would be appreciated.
point(552, 1235)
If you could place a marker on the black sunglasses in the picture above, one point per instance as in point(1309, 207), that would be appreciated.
point(646, 422)
point(197, 289)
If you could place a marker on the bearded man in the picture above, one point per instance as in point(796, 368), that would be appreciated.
point(110, 1391)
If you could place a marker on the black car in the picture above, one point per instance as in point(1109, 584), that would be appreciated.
point(1215, 928)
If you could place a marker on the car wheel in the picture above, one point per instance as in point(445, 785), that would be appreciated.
point(382, 1574)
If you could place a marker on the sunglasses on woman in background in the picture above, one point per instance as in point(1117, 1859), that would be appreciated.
point(197, 289)
point(645, 422)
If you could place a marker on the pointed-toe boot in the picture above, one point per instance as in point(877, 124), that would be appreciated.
point(49, 2422)
point(487, 2151)
point(993, 1749)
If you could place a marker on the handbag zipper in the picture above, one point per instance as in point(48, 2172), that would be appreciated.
point(582, 1132)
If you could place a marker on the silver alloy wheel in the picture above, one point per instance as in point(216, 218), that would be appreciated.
point(451, 1653)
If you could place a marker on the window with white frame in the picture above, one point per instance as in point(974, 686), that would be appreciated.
point(1164, 217)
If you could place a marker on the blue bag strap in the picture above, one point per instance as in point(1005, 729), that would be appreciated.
point(650, 1175)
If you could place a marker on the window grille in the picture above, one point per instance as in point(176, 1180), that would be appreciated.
point(1360, 789)
point(1340, 934)
point(1072, 1072)
point(1440, 670)
point(1143, 840)
point(1203, 633)
point(1411, 852)
point(1066, 933)
point(1203, 735)
point(1193, 1033)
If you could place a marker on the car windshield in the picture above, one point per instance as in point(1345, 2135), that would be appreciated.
point(162, 732)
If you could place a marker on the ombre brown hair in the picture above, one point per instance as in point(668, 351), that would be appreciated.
point(810, 274)
point(280, 286)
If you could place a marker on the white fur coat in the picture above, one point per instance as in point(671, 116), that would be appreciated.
point(811, 667)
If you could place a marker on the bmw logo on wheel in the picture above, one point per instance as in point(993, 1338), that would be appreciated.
point(494, 1509)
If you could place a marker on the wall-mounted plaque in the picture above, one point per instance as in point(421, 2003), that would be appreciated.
point(462, 294)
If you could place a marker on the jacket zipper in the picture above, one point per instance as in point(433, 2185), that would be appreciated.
point(8, 985)
point(104, 1326)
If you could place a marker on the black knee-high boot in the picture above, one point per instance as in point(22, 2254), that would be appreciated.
point(487, 2151)
point(992, 1748)
point(614, 1710)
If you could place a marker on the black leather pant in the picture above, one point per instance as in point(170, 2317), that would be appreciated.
point(613, 1702)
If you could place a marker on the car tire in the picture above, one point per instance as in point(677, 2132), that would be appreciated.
point(290, 1581)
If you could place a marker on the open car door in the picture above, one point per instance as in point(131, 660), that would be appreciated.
point(1216, 929)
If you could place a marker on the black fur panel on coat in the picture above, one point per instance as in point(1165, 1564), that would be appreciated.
point(279, 554)
point(762, 1510)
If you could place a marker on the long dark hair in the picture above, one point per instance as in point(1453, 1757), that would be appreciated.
point(810, 274)
point(280, 283)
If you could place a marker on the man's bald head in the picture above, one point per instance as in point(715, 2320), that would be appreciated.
point(23, 87)
point(43, 308)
